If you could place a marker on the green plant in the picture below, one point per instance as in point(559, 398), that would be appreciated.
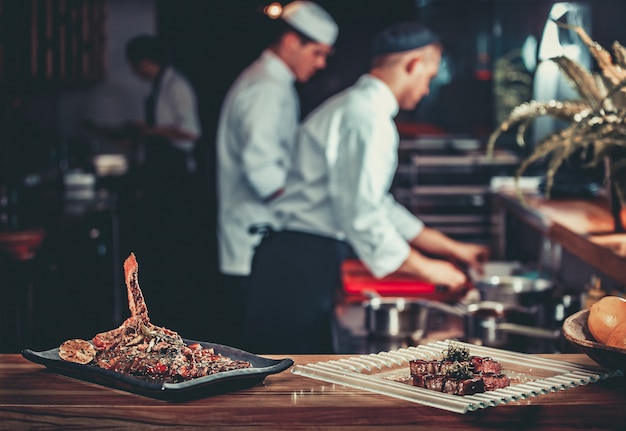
point(597, 120)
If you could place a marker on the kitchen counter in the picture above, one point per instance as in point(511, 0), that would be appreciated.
point(33, 398)
point(582, 227)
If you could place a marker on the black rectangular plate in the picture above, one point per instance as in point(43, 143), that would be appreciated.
point(222, 382)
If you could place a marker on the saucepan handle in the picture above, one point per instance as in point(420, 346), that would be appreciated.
point(456, 310)
point(529, 331)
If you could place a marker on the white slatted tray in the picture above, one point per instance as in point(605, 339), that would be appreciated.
point(387, 373)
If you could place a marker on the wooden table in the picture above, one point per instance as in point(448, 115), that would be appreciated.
point(33, 398)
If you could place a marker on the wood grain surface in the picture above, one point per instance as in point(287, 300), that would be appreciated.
point(583, 216)
point(31, 397)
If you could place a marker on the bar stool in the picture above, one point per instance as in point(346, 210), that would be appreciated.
point(18, 250)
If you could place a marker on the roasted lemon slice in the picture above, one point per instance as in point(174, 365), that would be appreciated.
point(77, 350)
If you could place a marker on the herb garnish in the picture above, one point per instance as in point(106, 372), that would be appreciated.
point(459, 371)
point(457, 353)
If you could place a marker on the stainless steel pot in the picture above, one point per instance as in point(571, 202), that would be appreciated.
point(536, 294)
point(395, 318)
point(493, 323)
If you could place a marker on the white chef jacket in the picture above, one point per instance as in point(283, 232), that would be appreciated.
point(176, 105)
point(344, 162)
point(255, 135)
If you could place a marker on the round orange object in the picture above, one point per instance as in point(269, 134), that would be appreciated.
point(605, 315)
point(617, 337)
point(77, 350)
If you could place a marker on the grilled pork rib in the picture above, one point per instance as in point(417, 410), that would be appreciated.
point(138, 347)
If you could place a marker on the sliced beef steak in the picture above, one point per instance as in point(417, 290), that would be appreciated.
point(495, 381)
point(485, 364)
point(442, 383)
point(439, 375)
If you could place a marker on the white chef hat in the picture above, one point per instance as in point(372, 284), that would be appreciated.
point(310, 19)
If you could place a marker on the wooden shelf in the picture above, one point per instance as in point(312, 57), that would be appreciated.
point(52, 43)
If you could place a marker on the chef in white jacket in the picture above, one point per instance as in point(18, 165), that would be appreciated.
point(345, 159)
point(255, 135)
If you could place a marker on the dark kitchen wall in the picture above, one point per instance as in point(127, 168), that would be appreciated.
point(476, 35)
point(214, 40)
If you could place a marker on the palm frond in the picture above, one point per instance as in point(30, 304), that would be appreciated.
point(597, 122)
point(603, 57)
point(617, 96)
point(619, 53)
point(572, 111)
point(582, 80)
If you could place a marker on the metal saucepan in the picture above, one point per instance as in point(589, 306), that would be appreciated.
point(509, 307)
point(495, 324)
point(395, 317)
point(530, 292)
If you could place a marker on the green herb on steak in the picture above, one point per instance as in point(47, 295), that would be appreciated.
point(457, 353)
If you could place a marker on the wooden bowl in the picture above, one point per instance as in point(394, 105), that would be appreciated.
point(577, 334)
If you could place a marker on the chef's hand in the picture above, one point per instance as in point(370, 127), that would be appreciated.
point(442, 273)
point(473, 256)
point(437, 272)
point(433, 242)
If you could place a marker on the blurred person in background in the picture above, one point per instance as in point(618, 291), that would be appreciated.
point(172, 126)
point(256, 130)
point(161, 206)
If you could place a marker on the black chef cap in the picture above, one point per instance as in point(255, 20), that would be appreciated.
point(145, 47)
point(402, 36)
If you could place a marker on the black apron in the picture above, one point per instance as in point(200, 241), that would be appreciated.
point(163, 163)
point(292, 288)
